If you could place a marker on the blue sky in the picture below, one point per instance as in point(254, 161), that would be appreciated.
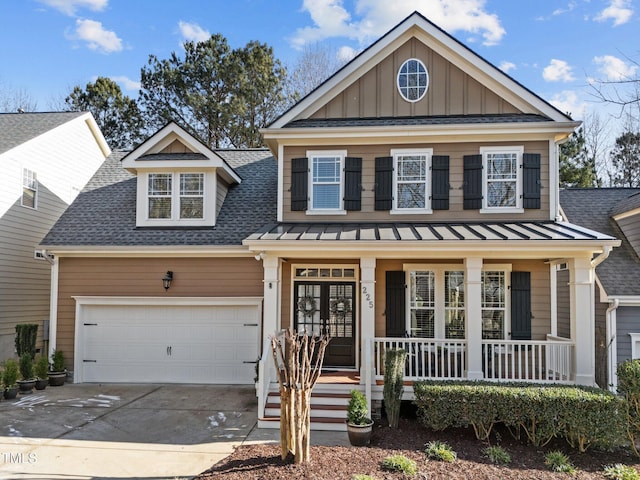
point(553, 47)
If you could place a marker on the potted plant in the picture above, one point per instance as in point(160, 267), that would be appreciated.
point(359, 425)
point(26, 372)
point(57, 374)
point(41, 370)
point(10, 378)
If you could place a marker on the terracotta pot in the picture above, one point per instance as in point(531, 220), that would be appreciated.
point(359, 435)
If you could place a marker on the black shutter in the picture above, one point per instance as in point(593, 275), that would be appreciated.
point(299, 183)
point(384, 183)
point(352, 183)
point(520, 305)
point(531, 180)
point(395, 304)
point(440, 182)
point(472, 182)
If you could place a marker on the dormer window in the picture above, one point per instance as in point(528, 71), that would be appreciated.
point(191, 195)
point(160, 195)
point(175, 197)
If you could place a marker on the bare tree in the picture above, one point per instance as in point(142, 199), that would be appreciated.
point(623, 92)
point(16, 99)
point(298, 360)
point(596, 134)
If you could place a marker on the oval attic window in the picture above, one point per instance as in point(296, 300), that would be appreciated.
point(413, 80)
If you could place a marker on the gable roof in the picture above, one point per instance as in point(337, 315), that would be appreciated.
point(104, 214)
point(593, 208)
point(417, 25)
point(18, 128)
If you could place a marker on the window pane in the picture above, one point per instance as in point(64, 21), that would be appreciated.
point(493, 304)
point(191, 207)
point(326, 169)
point(326, 196)
point(191, 184)
point(413, 80)
point(28, 198)
point(454, 304)
point(191, 195)
point(502, 166)
point(159, 184)
point(422, 304)
point(411, 168)
point(411, 195)
point(326, 177)
point(159, 207)
point(501, 194)
point(160, 195)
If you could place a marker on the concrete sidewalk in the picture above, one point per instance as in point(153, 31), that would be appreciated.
point(118, 431)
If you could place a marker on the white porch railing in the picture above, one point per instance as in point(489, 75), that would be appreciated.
point(266, 375)
point(426, 357)
point(529, 361)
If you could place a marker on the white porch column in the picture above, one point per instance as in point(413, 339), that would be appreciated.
point(367, 323)
point(473, 314)
point(271, 305)
point(582, 319)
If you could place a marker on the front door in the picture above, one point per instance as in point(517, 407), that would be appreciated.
point(328, 308)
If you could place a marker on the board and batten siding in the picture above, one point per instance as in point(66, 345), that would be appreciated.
point(450, 92)
point(631, 227)
point(456, 153)
point(628, 321)
point(142, 277)
point(64, 159)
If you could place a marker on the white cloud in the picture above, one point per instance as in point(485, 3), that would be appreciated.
point(192, 32)
point(614, 68)
point(618, 10)
point(506, 67)
point(69, 7)
point(345, 54)
point(96, 37)
point(558, 71)
point(126, 82)
point(375, 17)
point(561, 11)
point(568, 101)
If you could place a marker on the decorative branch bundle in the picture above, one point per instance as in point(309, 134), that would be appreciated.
point(298, 371)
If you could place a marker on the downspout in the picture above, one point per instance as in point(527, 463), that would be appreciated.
point(602, 257)
point(612, 350)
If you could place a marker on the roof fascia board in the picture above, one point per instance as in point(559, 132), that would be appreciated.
point(445, 44)
point(167, 135)
point(150, 251)
point(627, 214)
point(97, 133)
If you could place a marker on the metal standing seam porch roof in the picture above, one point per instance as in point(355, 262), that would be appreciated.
point(429, 232)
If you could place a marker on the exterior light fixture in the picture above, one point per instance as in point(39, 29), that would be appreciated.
point(166, 280)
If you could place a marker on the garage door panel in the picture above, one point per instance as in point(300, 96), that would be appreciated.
point(174, 344)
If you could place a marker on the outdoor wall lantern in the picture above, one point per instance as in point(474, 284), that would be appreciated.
point(166, 280)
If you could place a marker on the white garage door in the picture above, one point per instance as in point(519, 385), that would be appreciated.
point(175, 344)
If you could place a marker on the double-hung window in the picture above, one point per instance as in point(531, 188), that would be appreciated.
point(29, 188)
point(502, 182)
point(326, 181)
point(411, 180)
point(494, 304)
point(168, 203)
point(436, 302)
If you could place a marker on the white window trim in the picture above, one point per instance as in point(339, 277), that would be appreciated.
point(35, 189)
point(518, 150)
point(311, 154)
point(395, 153)
point(426, 87)
point(209, 201)
point(440, 310)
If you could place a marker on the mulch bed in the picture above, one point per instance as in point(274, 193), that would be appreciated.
point(253, 462)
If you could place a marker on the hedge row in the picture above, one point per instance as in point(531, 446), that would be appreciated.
point(583, 416)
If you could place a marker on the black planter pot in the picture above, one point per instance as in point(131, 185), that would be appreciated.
point(26, 386)
point(359, 435)
point(41, 383)
point(10, 393)
point(57, 379)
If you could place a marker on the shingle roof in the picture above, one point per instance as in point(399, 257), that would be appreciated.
point(104, 214)
point(427, 232)
point(592, 208)
point(18, 128)
point(421, 120)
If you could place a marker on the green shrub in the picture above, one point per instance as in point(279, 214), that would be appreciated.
point(583, 416)
point(559, 462)
point(629, 387)
point(393, 384)
point(26, 366)
point(26, 334)
point(10, 373)
point(621, 472)
point(400, 463)
point(57, 361)
point(41, 367)
point(360, 476)
point(497, 455)
point(357, 411)
point(438, 450)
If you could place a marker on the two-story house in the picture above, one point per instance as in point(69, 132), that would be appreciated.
point(410, 201)
point(45, 160)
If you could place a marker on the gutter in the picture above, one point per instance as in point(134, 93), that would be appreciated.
point(612, 350)
point(602, 257)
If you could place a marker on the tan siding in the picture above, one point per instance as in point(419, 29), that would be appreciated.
point(176, 147)
point(450, 92)
point(193, 277)
point(456, 152)
point(222, 189)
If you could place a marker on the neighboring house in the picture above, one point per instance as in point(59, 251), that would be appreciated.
point(614, 211)
point(45, 159)
point(411, 201)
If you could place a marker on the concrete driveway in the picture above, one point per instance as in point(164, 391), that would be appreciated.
point(116, 431)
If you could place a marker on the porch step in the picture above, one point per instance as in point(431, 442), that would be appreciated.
point(328, 409)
